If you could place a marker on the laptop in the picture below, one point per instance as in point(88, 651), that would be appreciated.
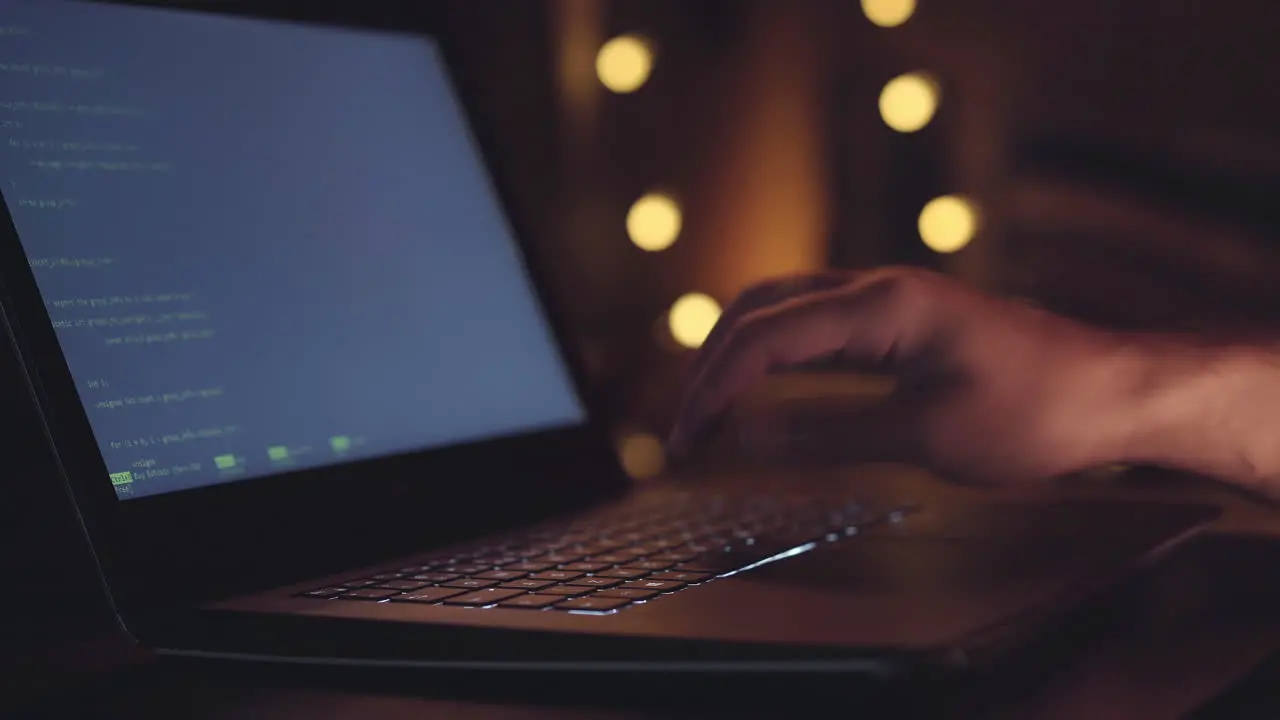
point(312, 401)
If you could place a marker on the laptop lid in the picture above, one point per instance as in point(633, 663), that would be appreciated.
point(268, 297)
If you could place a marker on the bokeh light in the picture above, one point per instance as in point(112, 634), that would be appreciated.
point(908, 102)
point(624, 63)
point(948, 223)
point(642, 455)
point(888, 13)
point(654, 222)
point(691, 319)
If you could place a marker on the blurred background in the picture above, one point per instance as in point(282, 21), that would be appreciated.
point(1117, 162)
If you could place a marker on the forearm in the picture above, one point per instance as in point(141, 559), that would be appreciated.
point(1211, 408)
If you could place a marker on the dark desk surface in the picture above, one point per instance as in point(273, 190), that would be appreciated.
point(1173, 641)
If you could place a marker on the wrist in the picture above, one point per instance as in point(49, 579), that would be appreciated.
point(1207, 407)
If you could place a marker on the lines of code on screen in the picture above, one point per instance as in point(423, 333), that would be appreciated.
point(263, 247)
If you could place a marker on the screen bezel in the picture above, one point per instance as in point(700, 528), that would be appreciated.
point(164, 551)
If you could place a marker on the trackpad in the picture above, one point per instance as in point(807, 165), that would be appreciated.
point(875, 565)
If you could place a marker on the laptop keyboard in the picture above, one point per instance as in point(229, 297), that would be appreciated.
point(608, 562)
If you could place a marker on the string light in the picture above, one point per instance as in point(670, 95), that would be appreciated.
point(888, 13)
point(641, 455)
point(948, 223)
point(691, 319)
point(624, 63)
point(654, 222)
point(908, 102)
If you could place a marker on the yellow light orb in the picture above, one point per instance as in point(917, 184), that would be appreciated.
point(888, 13)
point(624, 63)
point(642, 455)
point(691, 319)
point(654, 222)
point(948, 223)
point(908, 102)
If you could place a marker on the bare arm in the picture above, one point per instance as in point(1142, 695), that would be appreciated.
point(1210, 408)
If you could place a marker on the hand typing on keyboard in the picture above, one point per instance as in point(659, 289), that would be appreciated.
point(987, 388)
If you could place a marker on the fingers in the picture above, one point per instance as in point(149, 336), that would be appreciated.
point(857, 322)
point(762, 296)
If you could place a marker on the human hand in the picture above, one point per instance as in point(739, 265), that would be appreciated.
point(987, 389)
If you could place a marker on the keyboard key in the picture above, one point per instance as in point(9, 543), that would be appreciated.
point(650, 564)
point(470, 583)
point(594, 582)
point(597, 604)
point(428, 595)
point(558, 575)
point(659, 585)
point(501, 575)
point(527, 551)
point(682, 576)
point(569, 590)
point(623, 573)
point(387, 576)
point(363, 582)
point(489, 596)
point(614, 558)
point(497, 560)
point(528, 567)
point(640, 550)
point(586, 567)
point(441, 563)
point(370, 593)
point(674, 557)
point(403, 584)
point(324, 593)
point(528, 584)
point(532, 602)
point(698, 567)
point(558, 558)
point(467, 569)
point(626, 593)
point(436, 577)
point(600, 547)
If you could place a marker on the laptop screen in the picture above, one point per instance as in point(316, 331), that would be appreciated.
point(265, 247)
